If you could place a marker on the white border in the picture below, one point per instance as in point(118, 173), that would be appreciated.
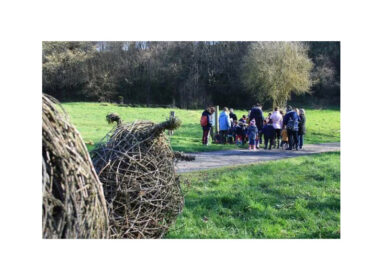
point(26, 23)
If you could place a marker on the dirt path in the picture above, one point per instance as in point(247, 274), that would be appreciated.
point(208, 160)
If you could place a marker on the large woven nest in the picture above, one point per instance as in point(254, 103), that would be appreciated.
point(73, 201)
point(135, 164)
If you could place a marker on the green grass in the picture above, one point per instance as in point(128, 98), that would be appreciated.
point(322, 126)
point(293, 198)
point(89, 118)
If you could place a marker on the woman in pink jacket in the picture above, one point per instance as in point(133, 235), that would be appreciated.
point(277, 119)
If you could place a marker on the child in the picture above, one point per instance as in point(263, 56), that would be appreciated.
point(269, 133)
point(252, 132)
point(239, 133)
point(242, 120)
point(232, 133)
point(241, 130)
point(285, 139)
point(261, 134)
point(244, 134)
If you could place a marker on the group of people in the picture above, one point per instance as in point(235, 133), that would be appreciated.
point(277, 130)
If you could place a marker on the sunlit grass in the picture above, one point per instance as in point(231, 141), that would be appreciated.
point(89, 118)
point(293, 198)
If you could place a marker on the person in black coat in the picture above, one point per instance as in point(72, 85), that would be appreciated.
point(301, 127)
point(257, 114)
point(206, 123)
point(291, 121)
point(232, 115)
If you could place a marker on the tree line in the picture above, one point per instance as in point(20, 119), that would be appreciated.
point(192, 74)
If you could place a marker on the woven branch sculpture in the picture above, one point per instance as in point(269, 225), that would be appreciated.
point(135, 164)
point(73, 201)
point(113, 117)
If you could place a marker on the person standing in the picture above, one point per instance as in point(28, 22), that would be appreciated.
point(224, 124)
point(212, 110)
point(291, 120)
point(301, 127)
point(206, 123)
point(269, 133)
point(277, 120)
point(257, 114)
point(232, 115)
point(241, 130)
point(296, 143)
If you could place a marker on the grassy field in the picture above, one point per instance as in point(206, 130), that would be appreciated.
point(293, 198)
point(89, 118)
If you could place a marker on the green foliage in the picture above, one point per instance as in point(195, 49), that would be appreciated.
point(293, 198)
point(273, 70)
point(89, 119)
point(65, 68)
point(326, 72)
point(186, 74)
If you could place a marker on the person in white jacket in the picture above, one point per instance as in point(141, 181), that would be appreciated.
point(277, 119)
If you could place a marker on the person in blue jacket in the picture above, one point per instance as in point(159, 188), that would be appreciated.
point(290, 121)
point(224, 124)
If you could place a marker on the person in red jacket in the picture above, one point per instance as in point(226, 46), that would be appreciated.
point(206, 123)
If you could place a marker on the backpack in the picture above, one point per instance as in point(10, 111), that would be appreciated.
point(203, 120)
point(292, 124)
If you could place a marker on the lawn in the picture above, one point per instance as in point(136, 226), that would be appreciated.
point(293, 198)
point(89, 118)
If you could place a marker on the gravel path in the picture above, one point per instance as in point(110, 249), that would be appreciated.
point(208, 160)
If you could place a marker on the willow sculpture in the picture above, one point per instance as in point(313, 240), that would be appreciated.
point(135, 164)
point(73, 203)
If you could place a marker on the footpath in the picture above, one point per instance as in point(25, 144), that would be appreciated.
point(208, 160)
